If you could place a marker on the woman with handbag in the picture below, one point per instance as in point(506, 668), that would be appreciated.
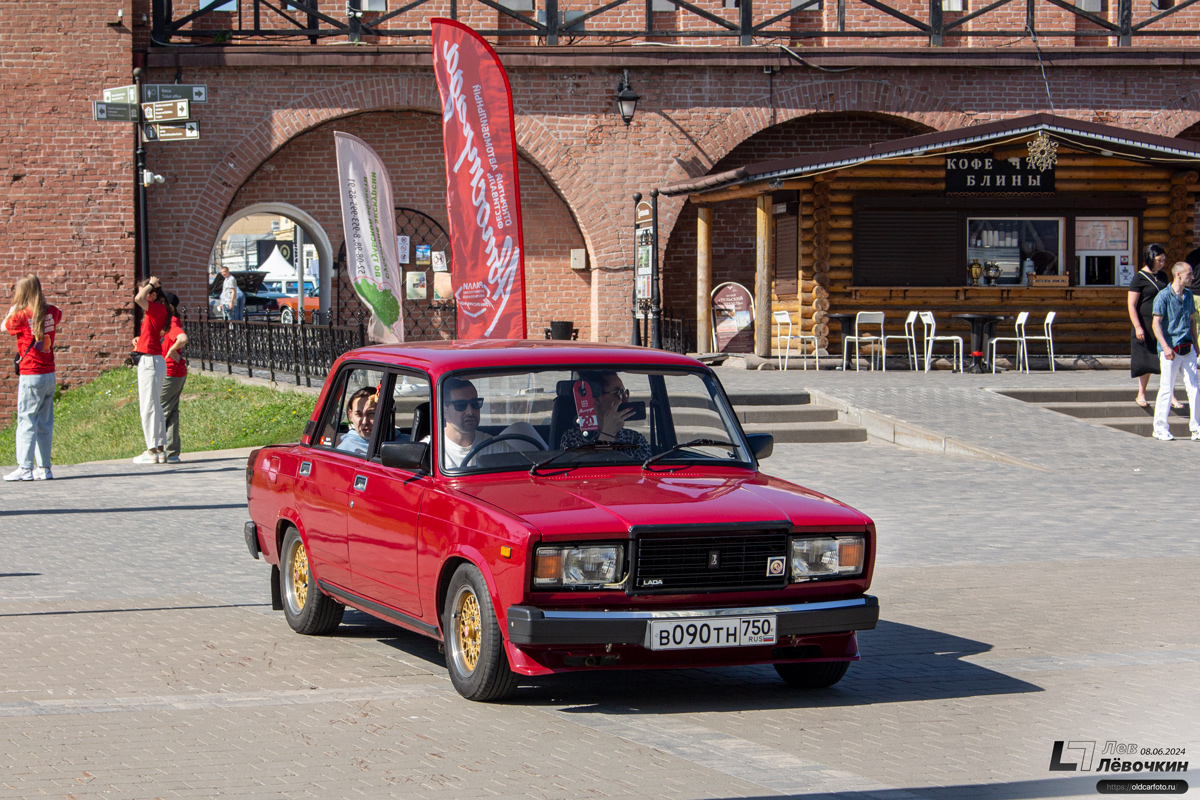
point(151, 370)
point(34, 323)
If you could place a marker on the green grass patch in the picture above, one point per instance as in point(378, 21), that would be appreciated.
point(99, 420)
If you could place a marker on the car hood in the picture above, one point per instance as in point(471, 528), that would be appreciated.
point(591, 504)
point(248, 282)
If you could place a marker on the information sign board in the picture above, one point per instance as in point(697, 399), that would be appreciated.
point(121, 94)
point(154, 92)
point(114, 112)
point(733, 318)
point(171, 131)
point(166, 111)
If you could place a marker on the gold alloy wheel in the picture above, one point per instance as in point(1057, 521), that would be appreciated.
point(468, 631)
point(299, 576)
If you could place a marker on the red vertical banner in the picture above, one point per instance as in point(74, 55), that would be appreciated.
point(482, 196)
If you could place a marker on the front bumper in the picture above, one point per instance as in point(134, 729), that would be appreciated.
point(528, 625)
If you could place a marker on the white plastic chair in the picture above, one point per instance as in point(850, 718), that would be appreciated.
point(783, 341)
point(1047, 337)
point(1022, 352)
point(931, 338)
point(910, 335)
point(862, 320)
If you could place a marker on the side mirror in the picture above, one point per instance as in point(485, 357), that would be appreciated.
point(412, 456)
point(763, 444)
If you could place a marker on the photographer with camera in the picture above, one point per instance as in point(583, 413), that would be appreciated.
point(151, 369)
point(1174, 327)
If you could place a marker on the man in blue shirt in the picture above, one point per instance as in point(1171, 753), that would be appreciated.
point(1175, 329)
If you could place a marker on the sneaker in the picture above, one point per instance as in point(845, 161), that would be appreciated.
point(146, 458)
point(43, 474)
point(1164, 436)
point(174, 460)
point(1196, 436)
point(19, 474)
point(160, 457)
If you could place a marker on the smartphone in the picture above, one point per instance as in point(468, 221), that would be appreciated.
point(639, 409)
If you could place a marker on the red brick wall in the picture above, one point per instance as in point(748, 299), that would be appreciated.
point(66, 190)
point(733, 232)
point(304, 174)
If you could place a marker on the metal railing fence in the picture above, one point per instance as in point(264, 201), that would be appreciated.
point(264, 21)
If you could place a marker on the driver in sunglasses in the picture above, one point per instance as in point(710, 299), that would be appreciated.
point(460, 411)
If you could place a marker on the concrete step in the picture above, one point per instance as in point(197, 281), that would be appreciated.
point(1179, 426)
point(1044, 396)
point(1104, 411)
point(743, 398)
point(792, 432)
point(767, 414)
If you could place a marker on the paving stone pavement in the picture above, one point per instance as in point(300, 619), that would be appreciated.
point(139, 656)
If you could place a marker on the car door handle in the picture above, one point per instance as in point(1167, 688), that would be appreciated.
point(360, 483)
point(305, 468)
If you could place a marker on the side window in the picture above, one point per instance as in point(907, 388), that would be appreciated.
point(348, 423)
point(409, 411)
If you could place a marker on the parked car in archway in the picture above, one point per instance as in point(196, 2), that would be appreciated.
point(259, 303)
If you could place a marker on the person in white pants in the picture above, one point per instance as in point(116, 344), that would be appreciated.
point(151, 370)
point(1174, 327)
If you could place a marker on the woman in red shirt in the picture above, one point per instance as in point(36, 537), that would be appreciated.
point(151, 370)
point(173, 344)
point(34, 323)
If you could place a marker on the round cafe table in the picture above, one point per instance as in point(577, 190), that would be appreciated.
point(983, 328)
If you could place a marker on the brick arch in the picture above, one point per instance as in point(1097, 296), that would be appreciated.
point(415, 92)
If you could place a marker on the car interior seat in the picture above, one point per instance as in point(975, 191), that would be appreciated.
point(562, 417)
point(420, 422)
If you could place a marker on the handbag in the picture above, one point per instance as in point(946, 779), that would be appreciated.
point(134, 356)
point(17, 360)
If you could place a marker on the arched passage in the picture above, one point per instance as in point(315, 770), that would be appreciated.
point(303, 173)
point(313, 232)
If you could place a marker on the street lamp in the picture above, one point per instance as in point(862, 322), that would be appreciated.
point(627, 98)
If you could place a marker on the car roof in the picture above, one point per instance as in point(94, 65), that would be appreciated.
point(438, 358)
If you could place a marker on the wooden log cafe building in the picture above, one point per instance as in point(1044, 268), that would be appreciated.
point(1035, 214)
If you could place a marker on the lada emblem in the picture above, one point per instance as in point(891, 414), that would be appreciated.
point(652, 582)
point(714, 559)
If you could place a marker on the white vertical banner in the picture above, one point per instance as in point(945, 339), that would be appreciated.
point(369, 222)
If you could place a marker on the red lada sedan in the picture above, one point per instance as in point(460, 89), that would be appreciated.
point(546, 506)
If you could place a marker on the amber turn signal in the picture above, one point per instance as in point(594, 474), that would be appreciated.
point(851, 553)
point(547, 565)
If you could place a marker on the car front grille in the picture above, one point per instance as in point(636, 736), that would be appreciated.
point(729, 562)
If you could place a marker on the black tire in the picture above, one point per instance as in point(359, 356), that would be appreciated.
point(820, 675)
point(307, 610)
point(475, 656)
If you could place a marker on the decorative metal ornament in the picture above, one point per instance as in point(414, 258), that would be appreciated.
point(1043, 151)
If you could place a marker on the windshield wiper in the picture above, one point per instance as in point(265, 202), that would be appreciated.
point(693, 443)
point(585, 446)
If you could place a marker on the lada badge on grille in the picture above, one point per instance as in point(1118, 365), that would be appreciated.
point(651, 582)
point(714, 559)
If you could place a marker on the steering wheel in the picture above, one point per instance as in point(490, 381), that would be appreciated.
point(504, 437)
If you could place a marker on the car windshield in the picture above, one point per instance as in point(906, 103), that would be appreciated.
point(559, 419)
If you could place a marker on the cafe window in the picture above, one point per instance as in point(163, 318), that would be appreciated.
point(1016, 245)
point(1104, 250)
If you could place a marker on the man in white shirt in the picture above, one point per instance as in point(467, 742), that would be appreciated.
point(460, 410)
point(229, 293)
